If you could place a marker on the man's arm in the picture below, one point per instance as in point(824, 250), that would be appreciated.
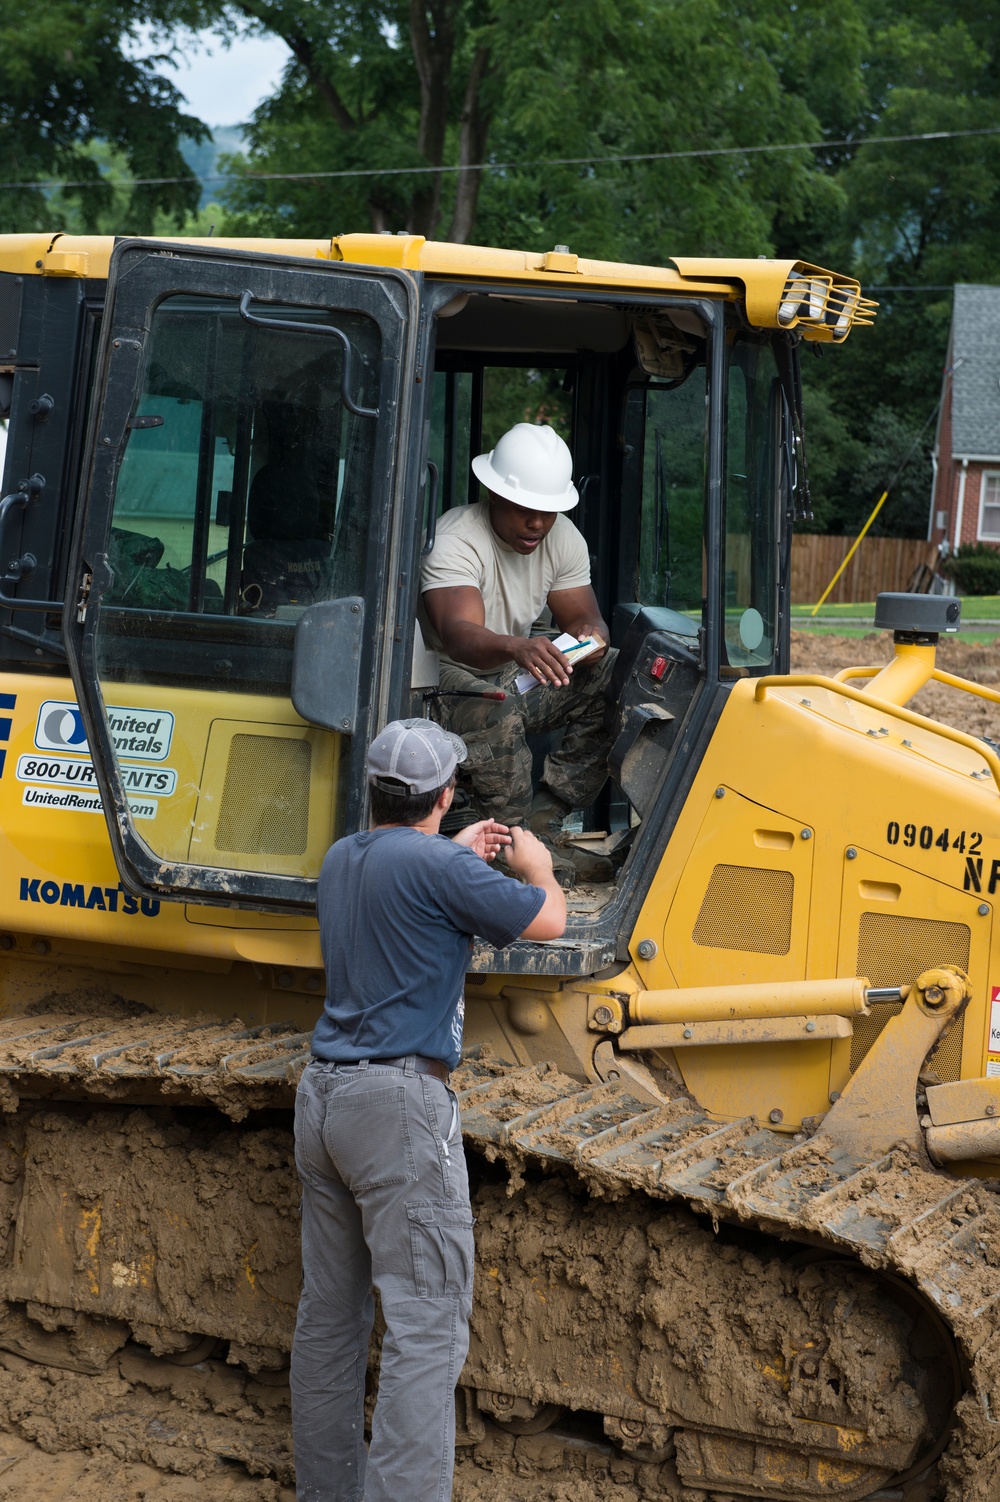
point(577, 611)
point(458, 615)
point(529, 858)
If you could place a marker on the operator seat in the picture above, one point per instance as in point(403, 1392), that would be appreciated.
point(288, 559)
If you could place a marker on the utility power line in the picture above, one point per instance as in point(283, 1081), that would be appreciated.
point(557, 161)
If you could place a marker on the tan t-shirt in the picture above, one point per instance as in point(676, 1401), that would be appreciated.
point(514, 586)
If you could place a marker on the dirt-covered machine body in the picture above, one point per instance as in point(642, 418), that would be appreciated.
point(734, 1134)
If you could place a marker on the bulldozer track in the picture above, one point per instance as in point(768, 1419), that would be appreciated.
point(896, 1215)
point(936, 1232)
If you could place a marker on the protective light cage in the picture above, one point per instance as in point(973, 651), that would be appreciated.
point(825, 307)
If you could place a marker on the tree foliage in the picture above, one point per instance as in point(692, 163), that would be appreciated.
point(468, 119)
point(68, 79)
point(388, 87)
point(918, 217)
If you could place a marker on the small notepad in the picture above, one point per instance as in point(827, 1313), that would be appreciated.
point(571, 648)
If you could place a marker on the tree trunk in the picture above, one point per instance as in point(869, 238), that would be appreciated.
point(473, 134)
point(432, 36)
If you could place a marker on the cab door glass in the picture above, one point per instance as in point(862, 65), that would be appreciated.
point(245, 483)
point(244, 495)
point(672, 520)
point(750, 501)
point(472, 409)
point(518, 393)
point(450, 436)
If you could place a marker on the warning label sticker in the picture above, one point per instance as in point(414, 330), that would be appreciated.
point(994, 1043)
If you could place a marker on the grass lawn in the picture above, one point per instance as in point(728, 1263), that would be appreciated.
point(974, 608)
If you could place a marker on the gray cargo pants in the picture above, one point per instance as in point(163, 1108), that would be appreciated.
point(385, 1204)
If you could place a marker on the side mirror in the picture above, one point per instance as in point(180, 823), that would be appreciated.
point(326, 663)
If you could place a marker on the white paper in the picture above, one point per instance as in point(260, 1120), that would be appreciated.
point(573, 648)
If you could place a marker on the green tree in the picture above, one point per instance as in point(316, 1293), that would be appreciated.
point(918, 216)
point(67, 78)
point(394, 86)
point(387, 89)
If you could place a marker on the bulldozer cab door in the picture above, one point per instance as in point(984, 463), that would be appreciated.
point(229, 595)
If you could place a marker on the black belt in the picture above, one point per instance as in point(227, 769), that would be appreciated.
point(420, 1065)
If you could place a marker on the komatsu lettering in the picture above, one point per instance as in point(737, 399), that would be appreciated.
point(80, 894)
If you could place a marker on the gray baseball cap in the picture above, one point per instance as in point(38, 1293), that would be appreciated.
point(418, 754)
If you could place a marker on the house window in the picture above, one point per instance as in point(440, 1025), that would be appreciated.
point(989, 507)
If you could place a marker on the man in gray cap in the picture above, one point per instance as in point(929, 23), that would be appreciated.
point(378, 1144)
point(496, 569)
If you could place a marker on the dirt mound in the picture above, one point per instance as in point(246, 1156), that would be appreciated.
point(977, 660)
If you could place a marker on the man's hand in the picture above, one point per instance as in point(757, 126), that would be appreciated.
point(529, 858)
point(486, 839)
point(537, 655)
point(581, 635)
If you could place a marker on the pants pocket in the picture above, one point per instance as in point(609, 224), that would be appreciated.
point(443, 1250)
point(367, 1135)
point(490, 758)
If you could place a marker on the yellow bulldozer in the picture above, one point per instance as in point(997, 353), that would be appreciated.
point(733, 1137)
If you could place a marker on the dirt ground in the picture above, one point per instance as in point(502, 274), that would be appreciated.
point(977, 659)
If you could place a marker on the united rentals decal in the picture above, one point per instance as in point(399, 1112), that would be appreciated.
point(135, 733)
point(76, 772)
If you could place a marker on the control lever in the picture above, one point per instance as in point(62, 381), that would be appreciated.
point(466, 693)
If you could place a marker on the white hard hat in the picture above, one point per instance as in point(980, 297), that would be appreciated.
point(531, 466)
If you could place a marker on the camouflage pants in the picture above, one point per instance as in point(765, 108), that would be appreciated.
point(498, 769)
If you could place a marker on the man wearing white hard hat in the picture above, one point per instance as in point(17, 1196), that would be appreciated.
point(498, 570)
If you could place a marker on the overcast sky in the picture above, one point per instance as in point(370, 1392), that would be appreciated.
point(223, 85)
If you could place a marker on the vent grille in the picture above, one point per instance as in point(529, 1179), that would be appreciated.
point(11, 288)
point(893, 951)
point(265, 796)
point(747, 908)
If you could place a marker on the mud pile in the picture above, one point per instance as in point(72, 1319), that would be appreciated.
point(975, 659)
point(141, 1429)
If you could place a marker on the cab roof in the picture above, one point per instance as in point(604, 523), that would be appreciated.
point(822, 305)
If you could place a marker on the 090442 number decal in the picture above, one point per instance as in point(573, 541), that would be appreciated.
point(966, 842)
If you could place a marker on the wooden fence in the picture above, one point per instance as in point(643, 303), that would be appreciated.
point(880, 563)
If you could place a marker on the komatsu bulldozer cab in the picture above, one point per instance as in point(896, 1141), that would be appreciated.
point(269, 445)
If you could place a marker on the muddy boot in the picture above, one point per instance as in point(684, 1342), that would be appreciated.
point(547, 814)
point(546, 818)
point(588, 866)
point(563, 866)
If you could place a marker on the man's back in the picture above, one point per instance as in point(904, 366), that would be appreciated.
point(396, 911)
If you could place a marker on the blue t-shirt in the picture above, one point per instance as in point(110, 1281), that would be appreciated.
point(397, 910)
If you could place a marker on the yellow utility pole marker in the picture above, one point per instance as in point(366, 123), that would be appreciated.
point(853, 549)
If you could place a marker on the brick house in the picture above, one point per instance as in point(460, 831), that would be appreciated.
point(965, 497)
